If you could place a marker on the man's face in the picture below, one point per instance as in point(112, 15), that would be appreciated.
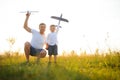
point(42, 28)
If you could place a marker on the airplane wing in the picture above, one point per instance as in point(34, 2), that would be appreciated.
point(29, 11)
point(59, 18)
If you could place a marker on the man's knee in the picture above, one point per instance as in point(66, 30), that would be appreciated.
point(27, 45)
point(43, 53)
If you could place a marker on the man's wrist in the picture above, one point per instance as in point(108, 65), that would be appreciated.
point(27, 16)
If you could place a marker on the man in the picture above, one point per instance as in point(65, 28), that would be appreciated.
point(35, 48)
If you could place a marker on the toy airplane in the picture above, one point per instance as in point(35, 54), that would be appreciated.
point(60, 19)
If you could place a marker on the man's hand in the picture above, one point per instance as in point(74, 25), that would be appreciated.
point(28, 14)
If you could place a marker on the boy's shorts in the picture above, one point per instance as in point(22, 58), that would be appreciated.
point(34, 52)
point(52, 50)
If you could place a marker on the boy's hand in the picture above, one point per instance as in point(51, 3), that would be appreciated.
point(46, 47)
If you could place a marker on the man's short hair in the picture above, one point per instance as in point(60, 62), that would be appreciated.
point(42, 24)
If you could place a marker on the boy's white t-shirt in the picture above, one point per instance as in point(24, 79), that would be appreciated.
point(38, 40)
point(52, 37)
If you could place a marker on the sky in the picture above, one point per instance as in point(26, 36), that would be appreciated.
point(92, 23)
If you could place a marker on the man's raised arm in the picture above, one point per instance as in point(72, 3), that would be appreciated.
point(26, 23)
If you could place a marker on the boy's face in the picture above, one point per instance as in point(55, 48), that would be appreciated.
point(52, 28)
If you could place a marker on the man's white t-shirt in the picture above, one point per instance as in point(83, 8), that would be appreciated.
point(38, 40)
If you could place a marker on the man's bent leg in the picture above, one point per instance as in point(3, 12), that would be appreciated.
point(42, 54)
point(27, 50)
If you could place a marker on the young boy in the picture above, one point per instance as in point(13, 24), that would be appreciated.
point(52, 43)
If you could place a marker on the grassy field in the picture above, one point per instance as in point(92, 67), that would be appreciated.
point(71, 67)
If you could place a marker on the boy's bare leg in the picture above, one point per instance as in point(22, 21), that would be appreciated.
point(50, 58)
point(27, 50)
point(55, 58)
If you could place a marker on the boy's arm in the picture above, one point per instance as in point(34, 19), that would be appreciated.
point(57, 28)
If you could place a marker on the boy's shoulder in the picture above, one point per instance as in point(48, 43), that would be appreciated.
point(51, 33)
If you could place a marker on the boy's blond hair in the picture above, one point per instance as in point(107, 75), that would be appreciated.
point(52, 25)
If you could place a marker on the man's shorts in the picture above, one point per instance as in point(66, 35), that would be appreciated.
point(52, 50)
point(34, 52)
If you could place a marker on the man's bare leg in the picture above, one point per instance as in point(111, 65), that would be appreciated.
point(27, 50)
point(42, 54)
point(38, 57)
point(55, 58)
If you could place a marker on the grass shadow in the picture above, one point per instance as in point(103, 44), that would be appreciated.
point(42, 71)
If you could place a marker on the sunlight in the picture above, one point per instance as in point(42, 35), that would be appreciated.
point(90, 21)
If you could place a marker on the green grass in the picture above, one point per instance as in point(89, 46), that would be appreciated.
point(71, 67)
